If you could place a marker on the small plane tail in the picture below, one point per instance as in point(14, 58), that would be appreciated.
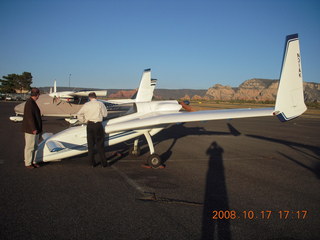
point(290, 99)
point(55, 86)
point(145, 90)
point(146, 87)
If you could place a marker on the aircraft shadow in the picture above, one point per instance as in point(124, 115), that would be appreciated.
point(174, 132)
point(298, 148)
point(216, 197)
point(179, 131)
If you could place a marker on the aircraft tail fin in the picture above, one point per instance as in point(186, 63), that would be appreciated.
point(290, 99)
point(55, 86)
point(146, 87)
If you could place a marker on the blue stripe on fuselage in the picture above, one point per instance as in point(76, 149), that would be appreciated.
point(122, 134)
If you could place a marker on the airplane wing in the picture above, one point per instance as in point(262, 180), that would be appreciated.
point(85, 93)
point(153, 120)
point(118, 101)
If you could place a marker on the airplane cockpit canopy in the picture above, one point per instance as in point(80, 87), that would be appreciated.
point(119, 110)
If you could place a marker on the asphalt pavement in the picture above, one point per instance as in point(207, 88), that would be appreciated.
point(253, 178)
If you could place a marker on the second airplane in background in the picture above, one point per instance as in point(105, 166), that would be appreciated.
point(68, 103)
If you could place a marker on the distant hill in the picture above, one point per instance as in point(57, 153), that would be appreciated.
point(178, 93)
point(255, 89)
point(258, 90)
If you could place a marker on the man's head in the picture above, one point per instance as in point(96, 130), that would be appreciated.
point(35, 93)
point(92, 95)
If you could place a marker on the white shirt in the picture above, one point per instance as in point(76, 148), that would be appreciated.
point(93, 111)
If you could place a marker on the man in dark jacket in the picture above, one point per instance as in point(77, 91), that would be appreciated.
point(32, 127)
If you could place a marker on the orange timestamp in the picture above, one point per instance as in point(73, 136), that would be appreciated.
point(264, 214)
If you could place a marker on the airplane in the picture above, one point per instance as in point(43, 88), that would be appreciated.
point(56, 104)
point(150, 117)
point(73, 96)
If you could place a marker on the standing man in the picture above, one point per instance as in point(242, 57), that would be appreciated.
point(32, 128)
point(93, 113)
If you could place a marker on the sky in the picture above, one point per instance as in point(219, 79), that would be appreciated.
point(187, 43)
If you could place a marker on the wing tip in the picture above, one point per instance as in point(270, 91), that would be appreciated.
point(292, 37)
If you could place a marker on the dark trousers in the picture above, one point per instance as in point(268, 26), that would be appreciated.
point(95, 137)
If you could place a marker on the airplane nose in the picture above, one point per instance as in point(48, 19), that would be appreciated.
point(19, 109)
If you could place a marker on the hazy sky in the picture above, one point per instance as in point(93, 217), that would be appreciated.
point(187, 43)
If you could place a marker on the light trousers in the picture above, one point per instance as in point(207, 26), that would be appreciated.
point(30, 147)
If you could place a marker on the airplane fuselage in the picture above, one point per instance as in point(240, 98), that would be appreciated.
point(73, 141)
point(52, 107)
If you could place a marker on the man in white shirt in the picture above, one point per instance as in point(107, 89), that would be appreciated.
point(93, 113)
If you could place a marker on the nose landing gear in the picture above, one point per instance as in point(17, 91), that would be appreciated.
point(154, 160)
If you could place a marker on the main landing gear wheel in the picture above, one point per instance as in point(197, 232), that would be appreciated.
point(154, 160)
point(135, 151)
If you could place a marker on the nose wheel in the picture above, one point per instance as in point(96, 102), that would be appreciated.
point(154, 160)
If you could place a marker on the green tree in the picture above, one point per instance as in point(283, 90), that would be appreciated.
point(15, 82)
point(7, 83)
point(24, 81)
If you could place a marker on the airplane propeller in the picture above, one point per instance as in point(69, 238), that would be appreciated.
point(56, 100)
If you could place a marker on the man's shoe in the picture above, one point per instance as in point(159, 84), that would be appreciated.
point(30, 167)
point(95, 164)
point(106, 164)
point(36, 165)
point(117, 154)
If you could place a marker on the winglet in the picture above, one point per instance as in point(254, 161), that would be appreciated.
point(55, 86)
point(290, 99)
point(146, 88)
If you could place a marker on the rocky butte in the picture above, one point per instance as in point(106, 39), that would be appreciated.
point(255, 89)
point(258, 90)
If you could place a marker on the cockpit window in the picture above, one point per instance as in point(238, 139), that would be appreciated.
point(79, 100)
point(119, 110)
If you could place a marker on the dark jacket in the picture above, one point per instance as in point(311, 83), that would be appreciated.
point(31, 117)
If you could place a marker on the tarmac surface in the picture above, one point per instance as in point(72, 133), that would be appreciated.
point(259, 177)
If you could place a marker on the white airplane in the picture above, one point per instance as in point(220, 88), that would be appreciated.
point(150, 117)
point(56, 104)
point(73, 96)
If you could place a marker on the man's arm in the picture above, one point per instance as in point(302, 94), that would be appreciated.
point(104, 110)
point(30, 117)
point(80, 115)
